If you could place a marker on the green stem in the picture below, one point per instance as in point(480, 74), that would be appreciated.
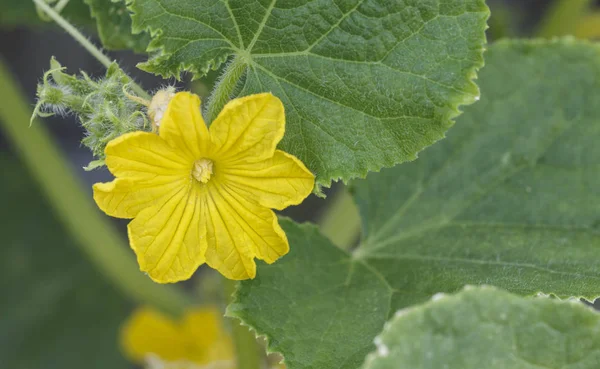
point(247, 350)
point(68, 27)
point(340, 221)
point(562, 17)
point(83, 41)
point(224, 88)
point(91, 229)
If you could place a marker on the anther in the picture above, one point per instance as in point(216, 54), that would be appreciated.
point(203, 170)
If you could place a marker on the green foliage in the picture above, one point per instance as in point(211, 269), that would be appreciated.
point(317, 306)
point(365, 83)
point(114, 26)
point(510, 198)
point(102, 106)
point(488, 328)
point(57, 311)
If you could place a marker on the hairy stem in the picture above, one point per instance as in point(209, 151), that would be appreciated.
point(68, 27)
point(563, 17)
point(83, 41)
point(340, 221)
point(97, 238)
point(224, 88)
point(246, 347)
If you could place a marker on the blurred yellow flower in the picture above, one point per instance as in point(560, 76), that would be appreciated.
point(200, 195)
point(198, 340)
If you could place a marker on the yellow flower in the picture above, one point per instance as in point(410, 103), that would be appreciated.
point(200, 195)
point(199, 338)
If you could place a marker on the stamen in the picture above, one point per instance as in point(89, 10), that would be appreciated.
point(203, 170)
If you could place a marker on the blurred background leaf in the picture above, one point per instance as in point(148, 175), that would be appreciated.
point(60, 310)
point(589, 26)
point(57, 311)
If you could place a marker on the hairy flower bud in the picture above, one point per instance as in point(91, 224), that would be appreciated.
point(102, 106)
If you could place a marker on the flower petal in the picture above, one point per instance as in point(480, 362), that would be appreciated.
point(277, 182)
point(229, 251)
point(170, 239)
point(143, 156)
point(148, 331)
point(124, 198)
point(183, 127)
point(241, 230)
point(248, 128)
point(205, 328)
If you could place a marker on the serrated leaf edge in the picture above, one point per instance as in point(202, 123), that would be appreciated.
point(258, 334)
point(470, 95)
point(230, 311)
point(155, 45)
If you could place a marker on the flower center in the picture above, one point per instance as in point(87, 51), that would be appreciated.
point(203, 169)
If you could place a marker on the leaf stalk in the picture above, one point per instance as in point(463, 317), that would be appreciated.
point(224, 88)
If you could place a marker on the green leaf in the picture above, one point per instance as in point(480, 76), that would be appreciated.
point(57, 311)
point(489, 328)
point(316, 306)
point(114, 26)
point(365, 83)
point(510, 198)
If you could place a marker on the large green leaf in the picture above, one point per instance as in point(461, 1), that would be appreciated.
point(489, 328)
point(510, 198)
point(365, 83)
point(114, 26)
point(57, 311)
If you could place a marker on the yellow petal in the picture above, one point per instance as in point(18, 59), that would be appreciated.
point(124, 198)
point(170, 239)
point(248, 128)
point(183, 127)
point(277, 182)
point(148, 331)
point(229, 250)
point(204, 327)
point(143, 156)
point(238, 231)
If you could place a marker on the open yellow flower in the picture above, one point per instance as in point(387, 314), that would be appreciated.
point(198, 339)
point(200, 195)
